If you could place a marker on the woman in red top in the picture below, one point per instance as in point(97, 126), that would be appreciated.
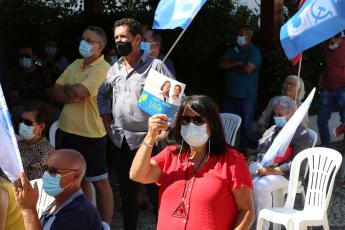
point(204, 183)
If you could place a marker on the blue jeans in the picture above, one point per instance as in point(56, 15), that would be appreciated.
point(327, 101)
point(245, 108)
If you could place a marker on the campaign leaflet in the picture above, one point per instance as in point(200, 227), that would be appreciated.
point(161, 95)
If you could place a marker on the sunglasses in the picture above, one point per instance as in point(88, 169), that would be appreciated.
point(27, 122)
point(55, 171)
point(197, 120)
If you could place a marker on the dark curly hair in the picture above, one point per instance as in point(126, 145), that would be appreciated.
point(43, 112)
point(134, 27)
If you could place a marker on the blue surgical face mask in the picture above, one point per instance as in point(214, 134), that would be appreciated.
point(26, 132)
point(333, 46)
point(85, 49)
point(50, 51)
point(241, 40)
point(113, 59)
point(280, 121)
point(146, 47)
point(25, 62)
point(51, 184)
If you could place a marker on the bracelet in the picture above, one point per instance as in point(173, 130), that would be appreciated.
point(147, 145)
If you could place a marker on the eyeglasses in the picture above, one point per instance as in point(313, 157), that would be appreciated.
point(55, 171)
point(90, 41)
point(292, 84)
point(27, 122)
point(197, 120)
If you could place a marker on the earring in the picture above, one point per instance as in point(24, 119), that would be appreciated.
point(179, 156)
point(209, 150)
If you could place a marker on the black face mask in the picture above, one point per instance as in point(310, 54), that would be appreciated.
point(124, 48)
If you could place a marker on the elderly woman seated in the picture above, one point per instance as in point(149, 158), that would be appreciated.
point(291, 84)
point(34, 147)
point(268, 179)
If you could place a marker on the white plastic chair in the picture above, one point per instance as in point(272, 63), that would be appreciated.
point(52, 132)
point(278, 196)
point(231, 123)
point(323, 164)
point(44, 200)
point(313, 135)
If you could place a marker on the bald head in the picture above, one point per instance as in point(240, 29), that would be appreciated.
point(67, 159)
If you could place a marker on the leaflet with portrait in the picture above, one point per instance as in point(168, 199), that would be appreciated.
point(161, 95)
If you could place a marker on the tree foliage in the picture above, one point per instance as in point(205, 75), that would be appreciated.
point(195, 57)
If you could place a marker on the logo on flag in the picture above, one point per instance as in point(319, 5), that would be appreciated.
point(315, 22)
point(312, 15)
point(171, 14)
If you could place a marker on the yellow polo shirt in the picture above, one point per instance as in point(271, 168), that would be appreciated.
point(14, 218)
point(83, 118)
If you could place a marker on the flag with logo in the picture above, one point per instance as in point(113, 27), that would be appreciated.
point(10, 160)
point(315, 22)
point(171, 14)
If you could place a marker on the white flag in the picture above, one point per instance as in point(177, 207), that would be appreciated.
point(10, 160)
point(284, 137)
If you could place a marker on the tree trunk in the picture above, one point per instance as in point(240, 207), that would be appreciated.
point(271, 20)
point(93, 10)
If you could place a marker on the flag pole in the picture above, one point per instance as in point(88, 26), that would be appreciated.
point(179, 37)
point(298, 78)
point(176, 41)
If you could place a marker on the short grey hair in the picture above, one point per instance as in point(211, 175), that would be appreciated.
point(100, 33)
point(300, 84)
point(287, 103)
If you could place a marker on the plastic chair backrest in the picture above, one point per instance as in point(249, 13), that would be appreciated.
point(313, 136)
point(44, 200)
point(231, 123)
point(324, 164)
point(52, 132)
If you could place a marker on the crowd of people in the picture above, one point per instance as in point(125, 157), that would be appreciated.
point(195, 180)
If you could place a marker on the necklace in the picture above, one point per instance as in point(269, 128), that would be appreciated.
point(181, 211)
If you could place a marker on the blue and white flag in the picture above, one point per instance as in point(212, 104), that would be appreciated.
point(10, 160)
point(171, 14)
point(315, 22)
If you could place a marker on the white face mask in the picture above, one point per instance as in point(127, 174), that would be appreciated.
point(26, 132)
point(333, 46)
point(194, 135)
point(25, 62)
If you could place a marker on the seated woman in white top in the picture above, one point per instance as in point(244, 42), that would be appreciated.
point(268, 179)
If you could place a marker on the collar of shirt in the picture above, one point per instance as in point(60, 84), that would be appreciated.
point(95, 62)
point(47, 218)
point(142, 59)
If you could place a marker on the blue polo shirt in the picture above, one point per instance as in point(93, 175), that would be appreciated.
point(242, 85)
point(75, 213)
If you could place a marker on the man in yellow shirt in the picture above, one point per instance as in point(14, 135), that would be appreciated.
point(80, 125)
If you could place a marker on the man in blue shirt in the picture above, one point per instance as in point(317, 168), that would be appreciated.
point(71, 209)
point(241, 65)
